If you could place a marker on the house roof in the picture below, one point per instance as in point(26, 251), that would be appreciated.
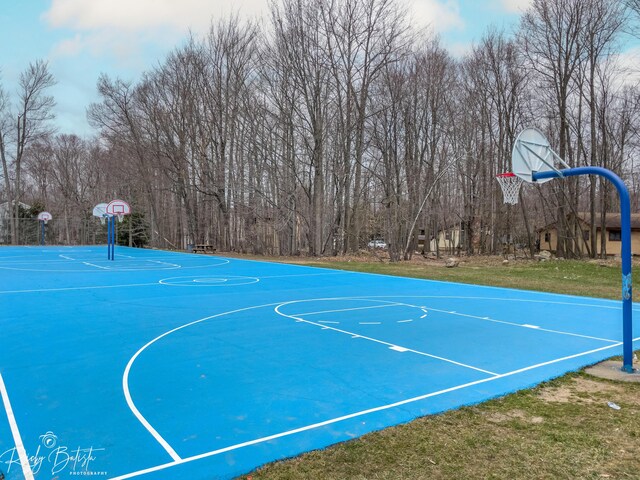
point(612, 221)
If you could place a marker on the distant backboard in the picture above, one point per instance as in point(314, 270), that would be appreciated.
point(44, 217)
point(118, 207)
point(100, 210)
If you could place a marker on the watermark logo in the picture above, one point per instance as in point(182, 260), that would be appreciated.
point(52, 456)
point(49, 440)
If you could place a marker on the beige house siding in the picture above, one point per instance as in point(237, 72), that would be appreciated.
point(548, 238)
point(447, 240)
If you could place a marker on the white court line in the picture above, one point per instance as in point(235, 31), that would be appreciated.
point(356, 414)
point(559, 332)
point(127, 395)
point(501, 299)
point(97, 266)
point(371, 339)
point(305, 275)
point(165, 263)
point(349, 309)
point(32, 260)
point(17, 439)
point(63, 289)
point(109, 268)
point(399, 349)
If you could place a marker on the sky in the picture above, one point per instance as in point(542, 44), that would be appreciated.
point(83, 38)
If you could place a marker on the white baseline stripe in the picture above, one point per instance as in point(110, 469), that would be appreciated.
point(357, 414)
point(97, 266)
point(304, 275)
point(63, 289)
point(66, 257)
point(22, 453)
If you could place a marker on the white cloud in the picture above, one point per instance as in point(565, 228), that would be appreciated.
point(515, 6)
point(137, 15)
point(122, 27)
point(439, 15)
point(628, 63)
point(69, 47)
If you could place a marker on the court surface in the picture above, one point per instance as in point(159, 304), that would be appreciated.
point(166, 365)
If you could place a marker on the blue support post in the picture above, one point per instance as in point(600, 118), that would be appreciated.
point(109, 236)
point(113, 237)
point(625, 233)
point(42, 232)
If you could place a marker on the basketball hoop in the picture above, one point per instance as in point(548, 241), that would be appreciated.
point(44, 217)
point(510, 184)
point(120, 217)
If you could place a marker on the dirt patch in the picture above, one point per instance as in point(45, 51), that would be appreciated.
point(501, 417)
point(580, 390)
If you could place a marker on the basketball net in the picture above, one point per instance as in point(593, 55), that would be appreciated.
point(510, 184)
point(120, 217)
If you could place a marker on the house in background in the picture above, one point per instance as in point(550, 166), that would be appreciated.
point(449, 239)
point(548, 235)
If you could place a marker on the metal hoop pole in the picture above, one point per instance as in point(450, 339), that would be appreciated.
point(42, 232)
point(625, 251)
point(109, 237)
point(113, 237)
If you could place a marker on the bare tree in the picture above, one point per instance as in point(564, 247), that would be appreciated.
point(21, 125)
point(551, 37)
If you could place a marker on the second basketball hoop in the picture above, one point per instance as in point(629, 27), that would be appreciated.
point(118, 208)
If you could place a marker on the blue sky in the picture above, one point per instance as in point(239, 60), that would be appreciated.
point(83, 38)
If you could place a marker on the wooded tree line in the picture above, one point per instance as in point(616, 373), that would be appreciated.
point(335, 122)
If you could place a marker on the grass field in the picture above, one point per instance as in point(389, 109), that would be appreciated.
point(561, 429)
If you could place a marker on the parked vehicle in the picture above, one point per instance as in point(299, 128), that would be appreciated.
point(377, 244)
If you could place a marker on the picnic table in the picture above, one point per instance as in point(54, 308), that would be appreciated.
point(203, 248)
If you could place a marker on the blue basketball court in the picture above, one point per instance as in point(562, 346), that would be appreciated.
point(168, 365)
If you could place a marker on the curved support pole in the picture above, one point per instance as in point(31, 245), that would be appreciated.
point(625, 227)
